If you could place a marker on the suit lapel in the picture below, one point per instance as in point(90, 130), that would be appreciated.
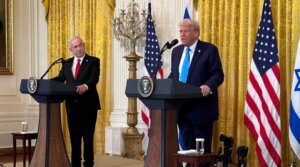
point(69, 65)
point(196, 56)
point(178, 58)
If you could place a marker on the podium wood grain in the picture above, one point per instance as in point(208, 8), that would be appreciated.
point(153, 157)
point(50, 149)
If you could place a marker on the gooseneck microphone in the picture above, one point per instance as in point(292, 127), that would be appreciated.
point(173, 43)
point(167, 45)
point(60, 60)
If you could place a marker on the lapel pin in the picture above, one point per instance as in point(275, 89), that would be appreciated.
point(199, 51)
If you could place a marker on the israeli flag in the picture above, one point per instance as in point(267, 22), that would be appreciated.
point(186, 11)
point(186, 15)
point(294, 132)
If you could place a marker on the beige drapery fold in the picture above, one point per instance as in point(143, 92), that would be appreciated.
point(232, 26)
point(91, 21)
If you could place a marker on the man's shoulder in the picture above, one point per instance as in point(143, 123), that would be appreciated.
point(69, 60)
point(205, 44)
point(91, 57)
point(179, 47)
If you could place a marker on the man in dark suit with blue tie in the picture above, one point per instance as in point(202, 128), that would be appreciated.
point(82, 71)
point(197, 63)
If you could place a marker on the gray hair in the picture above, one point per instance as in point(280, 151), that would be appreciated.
point(189, 22)
point(74, 37)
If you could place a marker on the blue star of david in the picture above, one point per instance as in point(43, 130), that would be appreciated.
point(297, 87)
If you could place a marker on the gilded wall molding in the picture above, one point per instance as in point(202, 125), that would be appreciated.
point(6, 32)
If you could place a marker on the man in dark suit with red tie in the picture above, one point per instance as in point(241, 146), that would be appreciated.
point(82, 71)
point(197, 63)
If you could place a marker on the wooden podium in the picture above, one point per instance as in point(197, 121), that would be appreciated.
point(168, 95)
point(50, 149)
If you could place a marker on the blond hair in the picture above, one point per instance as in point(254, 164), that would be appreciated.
point(189, 22)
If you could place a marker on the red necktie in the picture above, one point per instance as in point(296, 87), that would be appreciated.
point(77, 68)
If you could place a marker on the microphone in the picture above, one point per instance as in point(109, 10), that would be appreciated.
point(168, 45)
point(60, 60)
point(173, 43)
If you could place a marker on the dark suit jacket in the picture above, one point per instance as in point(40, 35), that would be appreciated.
point(88, 74)
point(205, 69)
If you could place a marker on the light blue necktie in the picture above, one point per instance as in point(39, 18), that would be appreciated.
point(185, 66)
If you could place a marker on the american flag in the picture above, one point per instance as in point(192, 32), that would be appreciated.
point(153, 62)
point(262, 107)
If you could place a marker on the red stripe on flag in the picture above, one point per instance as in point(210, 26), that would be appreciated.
point(272, 93)
point(273, 126)
point(255, 136)
point(276, 72)
point(161, 73)
point(264, 104)
point(262, 133)
point(146, 119)
point(275, 101)
point(252, 103)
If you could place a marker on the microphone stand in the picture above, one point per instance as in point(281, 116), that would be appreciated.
point(60, 60)
point(165, 47)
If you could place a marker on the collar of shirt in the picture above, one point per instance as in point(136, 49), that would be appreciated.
point(75, 62)
point(75, 59)
point(193, 48)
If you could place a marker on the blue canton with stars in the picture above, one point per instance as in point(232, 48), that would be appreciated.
point(265, 51)
point(152, 49)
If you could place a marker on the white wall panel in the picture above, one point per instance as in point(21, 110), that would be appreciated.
point(29, 59)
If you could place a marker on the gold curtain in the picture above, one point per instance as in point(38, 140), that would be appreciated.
point(90, 20)
point(232, 26)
